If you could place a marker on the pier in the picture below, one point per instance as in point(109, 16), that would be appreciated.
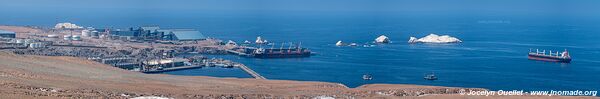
point(237, 52)
point(241, 66)
point(84, 46)
point(171, 69)
point(251, 72)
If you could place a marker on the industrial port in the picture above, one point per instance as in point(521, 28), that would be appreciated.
point(147, 49)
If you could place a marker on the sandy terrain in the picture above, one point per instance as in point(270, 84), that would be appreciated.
point(24, 76)
point(22, 32)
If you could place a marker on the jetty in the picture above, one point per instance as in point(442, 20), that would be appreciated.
point(171, 69)
point(238, 53)
point(83, 46)
point(251, 72)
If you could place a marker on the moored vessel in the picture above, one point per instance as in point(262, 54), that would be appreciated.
point(367, 77)
point(563, 57)
point(430, 77)
point(290, 52)
point(281, 53)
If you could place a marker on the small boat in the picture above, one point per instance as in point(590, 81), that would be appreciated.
point(367, 45)
point(563, 57)
point(228, 66)
point(367, 77)
point(211, 64)
point(430, 77)
point(220, 65)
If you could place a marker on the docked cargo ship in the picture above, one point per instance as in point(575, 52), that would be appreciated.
point(281, 53)
point(551, 57)
point(290, 51)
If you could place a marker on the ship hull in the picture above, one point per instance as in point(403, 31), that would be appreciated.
point(548, 58)
point(282, 55)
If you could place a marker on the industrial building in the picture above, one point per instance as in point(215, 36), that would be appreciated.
point(186, 35)
point(117, 60)
point(7, 34)
point(147, 33)
point(121, 62)
point(128, 33)
point(151, 33)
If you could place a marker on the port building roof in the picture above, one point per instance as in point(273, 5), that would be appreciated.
point(150, 28)
point(187, 34)
point(124, 33)
point(6, 32)
point(100, 30)
point(164, 30)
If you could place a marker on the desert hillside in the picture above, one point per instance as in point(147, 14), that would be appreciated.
point(26, 76)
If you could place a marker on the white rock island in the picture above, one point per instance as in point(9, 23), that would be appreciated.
point(382, 39)
point(434, 38)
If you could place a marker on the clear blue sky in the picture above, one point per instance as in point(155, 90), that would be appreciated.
point(544, 7)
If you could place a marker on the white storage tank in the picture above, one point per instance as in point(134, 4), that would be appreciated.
point(95, 33)
point(19, 41)
point(67, 37)
point(103, 36)
point(76, 38)
point(52, 36)
point(32, 45)
point(29, 41)
point(36, 45)
point(85, 33)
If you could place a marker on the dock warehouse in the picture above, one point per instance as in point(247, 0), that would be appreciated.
point(186, 35)
point(7, 34)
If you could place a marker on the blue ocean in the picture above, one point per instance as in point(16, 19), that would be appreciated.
point(493, 54)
